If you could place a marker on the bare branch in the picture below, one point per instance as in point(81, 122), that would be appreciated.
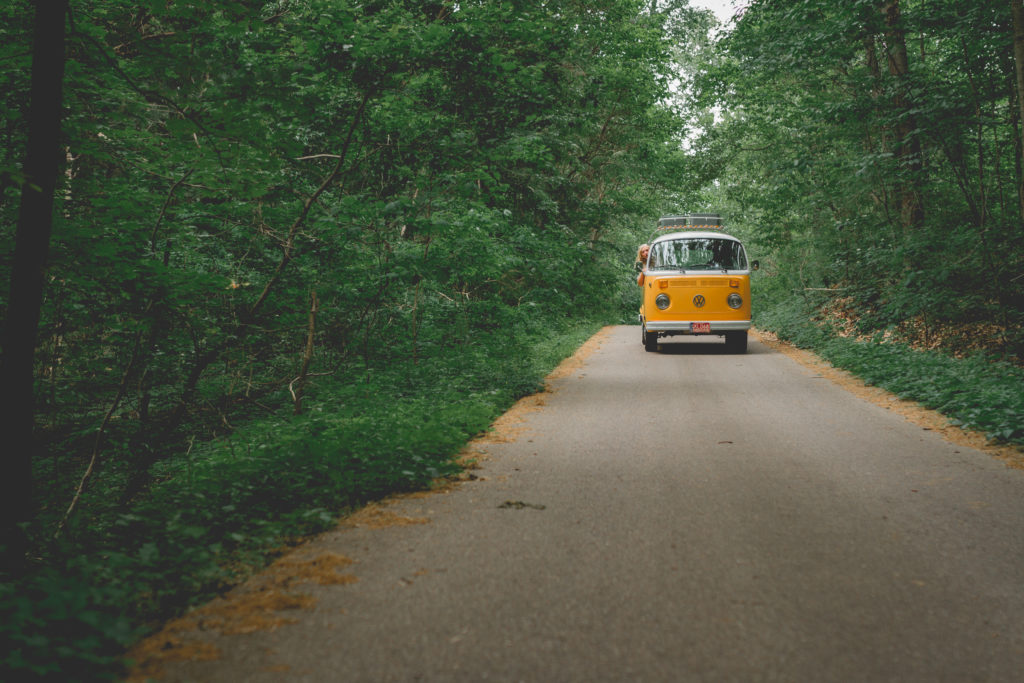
point(319, 156)
point(99, 437)
point(301, 219)
point(307, 357)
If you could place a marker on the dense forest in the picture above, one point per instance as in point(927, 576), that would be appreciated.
point(872, 151)
point(874, 147)
point(263, 261)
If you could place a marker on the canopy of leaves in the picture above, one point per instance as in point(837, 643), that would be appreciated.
point(874, 146)
point(266, 206)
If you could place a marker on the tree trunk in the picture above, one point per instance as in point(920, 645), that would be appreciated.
point(908, 144)
point(881, 197)
point(1017, 6)
point(35, 221)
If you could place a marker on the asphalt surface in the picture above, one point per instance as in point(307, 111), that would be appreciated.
point(685, 515)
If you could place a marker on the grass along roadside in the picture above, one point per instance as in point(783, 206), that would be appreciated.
point(978, 393)
point(231, 505)
point(263, 602)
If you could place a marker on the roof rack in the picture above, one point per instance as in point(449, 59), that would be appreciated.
point(691, 221)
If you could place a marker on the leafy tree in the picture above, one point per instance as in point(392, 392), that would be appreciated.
point(38, 180)
point(876, 150)
point(282, 223)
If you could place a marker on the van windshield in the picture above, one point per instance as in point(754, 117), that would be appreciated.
point(697, 253)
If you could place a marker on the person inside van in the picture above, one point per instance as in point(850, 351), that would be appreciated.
point(641, 257)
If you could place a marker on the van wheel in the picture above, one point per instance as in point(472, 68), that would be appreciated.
point(650, 339)
point(736, 342)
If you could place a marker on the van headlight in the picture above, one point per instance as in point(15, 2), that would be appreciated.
point(661, 301)
point(735, 300)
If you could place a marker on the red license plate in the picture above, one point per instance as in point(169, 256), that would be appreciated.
point(697, 328)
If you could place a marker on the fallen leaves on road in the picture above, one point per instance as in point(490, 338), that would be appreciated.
point(575, 361)
point(915, 413)
point(377, 516)
point(520, 505)
point(254, 606)
point(322, 569)
point(511, 425)
point(257, 604)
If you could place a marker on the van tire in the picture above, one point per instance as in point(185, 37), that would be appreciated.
point(736, 342)
point(650, 339)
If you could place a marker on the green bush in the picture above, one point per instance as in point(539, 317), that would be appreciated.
point(231, 502)
point(61, 625)
point(979, 392)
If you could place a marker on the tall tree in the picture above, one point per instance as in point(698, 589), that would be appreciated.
point(838, 136)
point(424, 166)
point(1017, 9)
point(908, 141)
point(35, 221)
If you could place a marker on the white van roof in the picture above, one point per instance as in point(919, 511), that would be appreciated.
point(694, 234)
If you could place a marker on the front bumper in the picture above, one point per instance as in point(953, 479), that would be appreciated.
point(683, 326)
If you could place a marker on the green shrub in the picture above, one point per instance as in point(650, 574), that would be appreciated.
point(227, 505)
point(978, 392)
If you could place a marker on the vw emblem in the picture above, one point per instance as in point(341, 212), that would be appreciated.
point(698, 301)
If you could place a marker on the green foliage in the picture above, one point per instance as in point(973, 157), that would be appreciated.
point(462, 186)
point(58, 628)
point(459, 184)
point(978, 392)
point(899, 185)
point(232, 501)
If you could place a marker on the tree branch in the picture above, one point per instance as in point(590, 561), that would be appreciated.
point(307, 356)
point(99, 436)
point(301, 219)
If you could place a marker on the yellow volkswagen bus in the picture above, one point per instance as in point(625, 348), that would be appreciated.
point(696, 282)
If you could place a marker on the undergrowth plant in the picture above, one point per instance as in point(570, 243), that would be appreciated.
point(980, 391)
point(228, 505)
point(302, 251)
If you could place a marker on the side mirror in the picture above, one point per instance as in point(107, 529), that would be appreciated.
point(755, 265)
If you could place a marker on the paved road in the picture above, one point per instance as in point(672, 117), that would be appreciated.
point(706, 517)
